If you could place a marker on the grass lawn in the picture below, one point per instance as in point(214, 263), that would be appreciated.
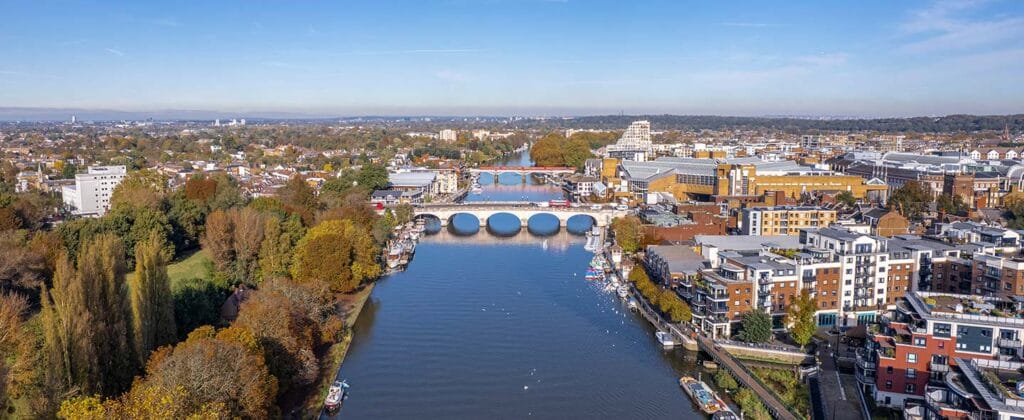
point(194, 266)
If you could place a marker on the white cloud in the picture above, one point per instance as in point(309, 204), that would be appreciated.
point(947, 25)
point(118, 53)
point(450, 76)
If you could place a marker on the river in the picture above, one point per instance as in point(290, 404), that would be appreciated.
point(497, 324)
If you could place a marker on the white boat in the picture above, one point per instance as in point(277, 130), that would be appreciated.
point(622, 291)
point(665, 339)
point(633, 304)
point(477, 190)
point(336, 395)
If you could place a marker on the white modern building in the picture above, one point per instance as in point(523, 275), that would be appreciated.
point(90, 196)
point(448, 135)
point(635, 143)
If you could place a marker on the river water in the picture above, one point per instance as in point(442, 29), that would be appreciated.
point(497, 324)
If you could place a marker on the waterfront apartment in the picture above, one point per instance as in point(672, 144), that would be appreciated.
point(784, 220)
point(90, 196)
point(910, 352)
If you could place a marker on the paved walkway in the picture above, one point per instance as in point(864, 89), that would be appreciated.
point(839, 389)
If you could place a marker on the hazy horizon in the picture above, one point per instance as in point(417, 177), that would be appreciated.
point(518, 57)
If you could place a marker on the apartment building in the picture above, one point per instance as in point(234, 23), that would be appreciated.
point(916, 343)
point(744, 281)
point(997, 276)
point(784, 220)
point(90, 196)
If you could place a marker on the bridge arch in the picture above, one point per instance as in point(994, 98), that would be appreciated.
point(470, 226)
point(543, 224)
point(580, 223)
point(504, 224)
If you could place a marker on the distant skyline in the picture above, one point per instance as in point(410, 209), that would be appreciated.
point(516, 57)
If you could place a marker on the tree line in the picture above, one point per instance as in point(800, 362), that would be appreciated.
point(92, 325)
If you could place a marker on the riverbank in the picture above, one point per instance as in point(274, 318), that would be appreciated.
point(352, 305)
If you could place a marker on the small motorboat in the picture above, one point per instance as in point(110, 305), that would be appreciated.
point(633, 304)
point(725, 414)
point(665, 339)
point(336, 396)
point(622, 291)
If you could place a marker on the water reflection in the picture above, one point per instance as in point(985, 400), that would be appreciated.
point(506, 327)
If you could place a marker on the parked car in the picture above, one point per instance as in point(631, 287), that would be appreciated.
point(595, 207)
point(622, 207)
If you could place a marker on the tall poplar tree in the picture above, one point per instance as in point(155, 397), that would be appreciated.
point(152, 303)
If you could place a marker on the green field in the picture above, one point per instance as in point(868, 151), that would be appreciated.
point(192, 267)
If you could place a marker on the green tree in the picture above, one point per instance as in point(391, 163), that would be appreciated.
point(800, 318)
point(751, 405)
point(757, 327)
point(280, 238)
point(151, 300)
point(846, 198)
point(197, 302)
point(629, 233)
point(555, 150)
point(372, 177)
point(951, 204)
point(911, 200)
point(336, 252)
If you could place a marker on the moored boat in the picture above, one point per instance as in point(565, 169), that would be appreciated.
point(665, 339)
point(622, 291)
point(336, 395)
point(702, 395)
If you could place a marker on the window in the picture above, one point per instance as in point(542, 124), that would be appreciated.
point(888, 369)
point(888, 384)
point(911, 373)
point(911, 357)
point(920, 342)
point(911, 388)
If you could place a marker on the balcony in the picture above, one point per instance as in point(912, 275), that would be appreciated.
point(865, 377)
point(1009, 343)
point(864, 361)
point(938, 367)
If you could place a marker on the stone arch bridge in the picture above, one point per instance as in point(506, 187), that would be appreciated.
point(523, 210)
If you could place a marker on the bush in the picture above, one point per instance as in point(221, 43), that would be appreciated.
point(725, 380)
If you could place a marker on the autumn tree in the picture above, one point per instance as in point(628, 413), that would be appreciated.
point(146, 188)
point(21, 268)
point(555, 150)
point(224, 368)
point(13, 310)
point(234, 239)
point(298, 197)
point(757, 327)
point(629, 233)
point(337, 252)
point(85, 321)
point(285, 333)
point(800, 318)
point(151, 301)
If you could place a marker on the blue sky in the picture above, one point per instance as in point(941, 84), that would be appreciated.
point(526, 57)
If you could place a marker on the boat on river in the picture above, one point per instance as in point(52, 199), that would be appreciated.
point(336, 395)
point(665, 338)
point(702, 395)
point(623, 291)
